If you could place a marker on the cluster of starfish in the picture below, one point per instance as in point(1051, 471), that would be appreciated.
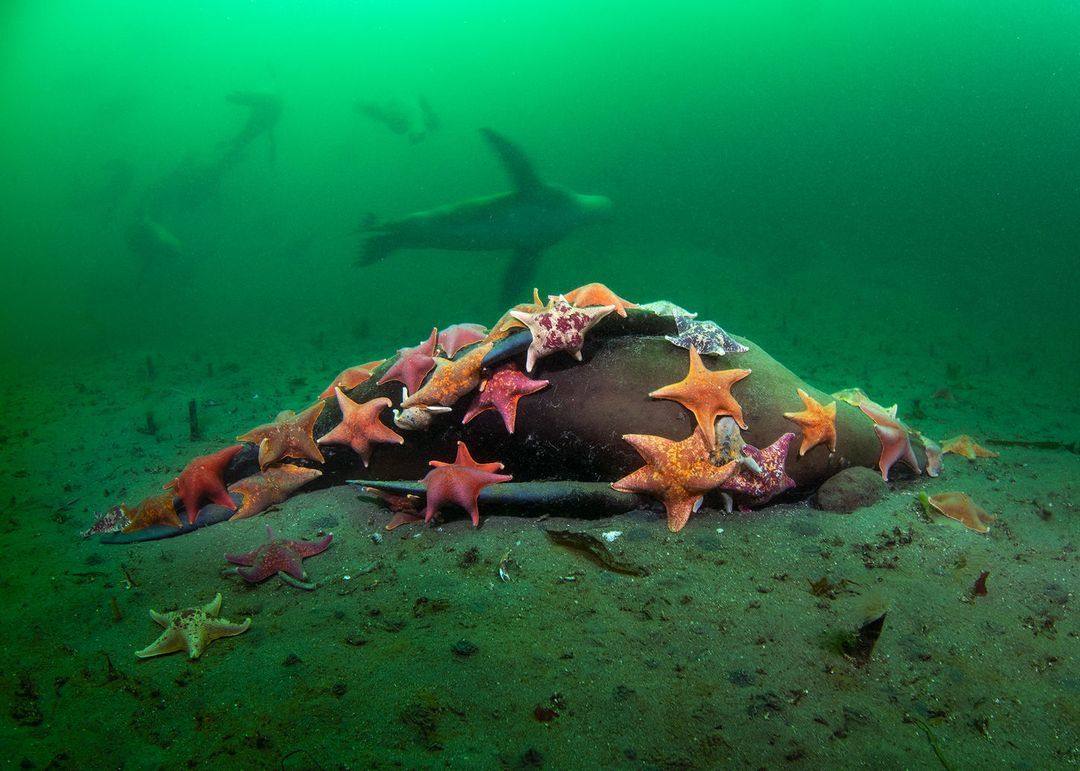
point(680, 473)
point(202, 482)
point(414, 364)
point(192, 629)
point(288, 436)
point(448, 365)
point(677, 473)
point(558, 325)
point(435, 378)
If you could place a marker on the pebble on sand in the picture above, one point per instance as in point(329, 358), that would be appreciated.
point(850, 489)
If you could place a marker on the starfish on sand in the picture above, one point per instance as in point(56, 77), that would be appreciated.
point(278, 556)
point(191, 630)
point(958, 506)
point(966, 446)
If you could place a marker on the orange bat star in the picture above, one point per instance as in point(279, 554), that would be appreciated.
point(707, 394)
point(957, 506)
point(598, 294)
point(966, 446)
point(818, 423)
point(289, 436)
point(678, 474)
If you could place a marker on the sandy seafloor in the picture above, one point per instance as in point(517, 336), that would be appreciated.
point(721, 656)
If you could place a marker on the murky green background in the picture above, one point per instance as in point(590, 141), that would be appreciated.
point(911, 166)
point(879, 194)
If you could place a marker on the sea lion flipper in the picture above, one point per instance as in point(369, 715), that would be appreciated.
point(518, 167)
point(519, 272)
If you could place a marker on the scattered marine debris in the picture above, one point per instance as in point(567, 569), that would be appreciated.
point(978, 589)
point(859, 647)
point(931, 739)
point(112, 521)
point(594, 549)
point(504, 566)
point(823, 587)
point(1037, 444)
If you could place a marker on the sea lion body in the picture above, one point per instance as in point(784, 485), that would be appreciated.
point(569, 435)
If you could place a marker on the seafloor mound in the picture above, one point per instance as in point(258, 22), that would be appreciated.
point(587, 403)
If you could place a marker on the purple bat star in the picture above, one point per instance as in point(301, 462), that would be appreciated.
point(759, 488)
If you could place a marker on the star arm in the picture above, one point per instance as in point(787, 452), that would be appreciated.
point(168, 642)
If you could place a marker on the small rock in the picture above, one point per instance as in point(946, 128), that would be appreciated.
point(469, 558)
point(639, 534)
point(805, 526)
point(24, 708)
point(328, 522)
point(850, 489)
point(464, 648)
point(741, 678)
point(532, 759)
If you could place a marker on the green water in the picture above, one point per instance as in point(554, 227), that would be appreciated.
point(879, 194)
point(914, 157)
